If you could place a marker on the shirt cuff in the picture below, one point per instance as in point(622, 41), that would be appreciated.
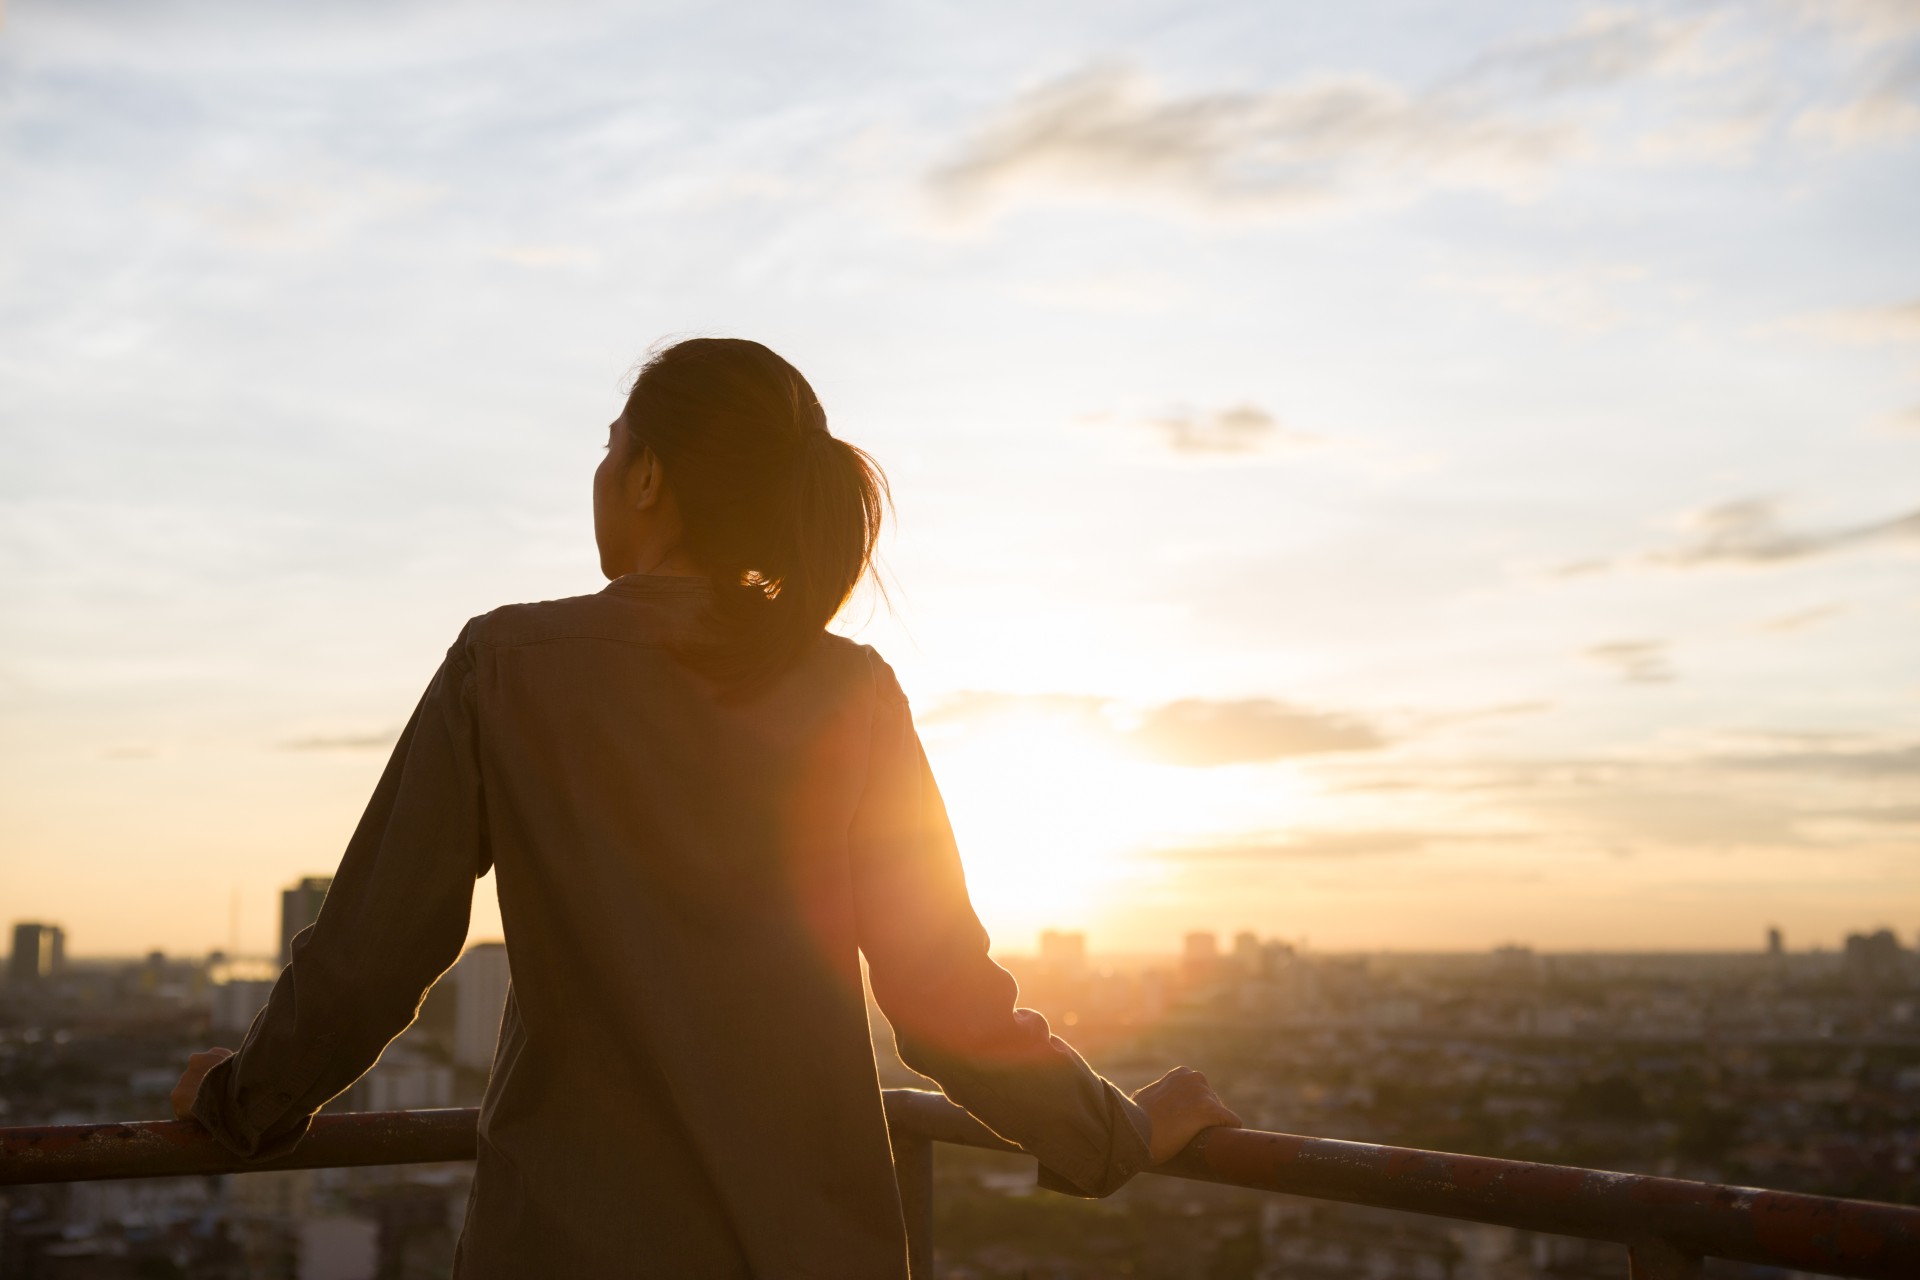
point(214, 1109)
point(1127, 1154)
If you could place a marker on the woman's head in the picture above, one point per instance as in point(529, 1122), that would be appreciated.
point(722, 465)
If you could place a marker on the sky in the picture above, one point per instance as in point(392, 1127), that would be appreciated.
point(1384, 475)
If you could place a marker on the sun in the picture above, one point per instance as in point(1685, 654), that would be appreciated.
point(1052, 819)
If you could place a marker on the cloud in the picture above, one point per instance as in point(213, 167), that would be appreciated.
point(547, 255)
point(1896, 814)
point(1896, 322)
point(343, 742)
point(1884, 115)
point(1242, 428)
point(1626, 813)
point(1636, 661)
point(1865, 21)
point(1202, 734)
point(1801, 619)
point(1726, 134)
point(985, 704)
point(1191, 732)
point(1897, 761)
point(1774, 794)
point(1115, 131)
point(311, 208)
point(1604, 49)
point(1581, 299)
point(1328, 846)
point(1749, 533)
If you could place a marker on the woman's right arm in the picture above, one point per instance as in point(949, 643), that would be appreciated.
point(953, 1009)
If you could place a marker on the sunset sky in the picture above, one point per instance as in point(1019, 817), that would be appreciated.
point(1403, 475)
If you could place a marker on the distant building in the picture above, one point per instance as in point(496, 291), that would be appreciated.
point(481, 980)
point(1199, 958)
point(1062, 954)
point(1874, 957)
point(233, 1004)
point(38, 950)
point(403, 1080)
point(1776, 942)
point(300, 907)
point(1248, 956)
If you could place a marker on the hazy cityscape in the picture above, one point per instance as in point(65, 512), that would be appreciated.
point(1775, 1067)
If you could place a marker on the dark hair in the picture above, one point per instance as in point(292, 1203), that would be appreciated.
point(781, 515)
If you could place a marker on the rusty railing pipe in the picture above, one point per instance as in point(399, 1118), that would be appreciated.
point(1667, 1223)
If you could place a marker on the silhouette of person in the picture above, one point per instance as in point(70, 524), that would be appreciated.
point(703, 810)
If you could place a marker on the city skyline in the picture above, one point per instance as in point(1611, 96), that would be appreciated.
point(1069, 947)
point(1393, 477)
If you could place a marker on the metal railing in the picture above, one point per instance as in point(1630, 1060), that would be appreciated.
point(1666, 1224)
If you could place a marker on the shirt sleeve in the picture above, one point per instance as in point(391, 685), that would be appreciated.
point(952, 1008)
point(393, 921)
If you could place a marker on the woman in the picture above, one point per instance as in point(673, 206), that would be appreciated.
point(703, 810)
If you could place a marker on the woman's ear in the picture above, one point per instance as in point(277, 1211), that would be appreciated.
point(645, 481)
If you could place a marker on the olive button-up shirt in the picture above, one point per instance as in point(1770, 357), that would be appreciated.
point(684, 1083)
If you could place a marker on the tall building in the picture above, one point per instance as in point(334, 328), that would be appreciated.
point(300, 907)
point(1776, 942)
point(480, 982)
point(38, 950)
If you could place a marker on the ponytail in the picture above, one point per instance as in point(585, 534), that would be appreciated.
point(783, 516)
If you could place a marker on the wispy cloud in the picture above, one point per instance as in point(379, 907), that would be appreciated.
point(973, 705)
point(375, 741)
point(1241, 428)
point(1584, 299)
point(1330, 845)
point(1801, 619)
point(1899, 760)
point(1602, 49)
point(1865, 21)
point(1190, 732)
point(1635, 661)
point(305, 210)
point(1750, 533)
point(1708, 800)
point(1116, 131)
point(1894, 322)
point(1201, 734)
point(547, 255)
point(1890, 814)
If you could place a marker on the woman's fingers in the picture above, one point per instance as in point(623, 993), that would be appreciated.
point(189, 1087)
point(1179, 1105)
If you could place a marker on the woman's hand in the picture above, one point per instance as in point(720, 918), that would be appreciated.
point(189, 1087)
point(1180, 1104)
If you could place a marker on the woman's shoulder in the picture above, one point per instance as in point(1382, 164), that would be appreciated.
point(865, 665)
point(593, 616)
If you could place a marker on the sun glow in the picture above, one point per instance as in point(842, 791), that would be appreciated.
point(1055, 822)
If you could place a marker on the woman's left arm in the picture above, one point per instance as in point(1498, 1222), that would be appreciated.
point(393, 921)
